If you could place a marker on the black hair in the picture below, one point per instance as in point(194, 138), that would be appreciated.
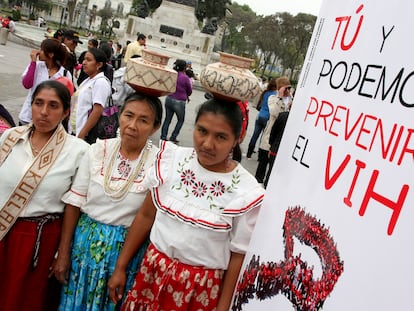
point(106, 48)
point(61, 91)
point(154, 103)
point(190, 73)
point(55, 47)
point(100, 57)
point(271, 86)
point(229, 110)
point(58, 33)
point(7, 116)
point(94, 42)
point(180, 65)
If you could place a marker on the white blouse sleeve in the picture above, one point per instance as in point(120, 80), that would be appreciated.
point(242, 231)
point(77, 194)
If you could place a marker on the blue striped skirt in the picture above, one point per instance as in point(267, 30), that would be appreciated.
point(95, 250)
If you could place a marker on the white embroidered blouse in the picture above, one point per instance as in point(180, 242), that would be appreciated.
point(202, 216)
point(88, 193)
point(58, 180)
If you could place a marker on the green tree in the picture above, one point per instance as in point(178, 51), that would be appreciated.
point(265, 33)
point(297, 32)
point(280, 39)
point(236, 39)
point(106, 14)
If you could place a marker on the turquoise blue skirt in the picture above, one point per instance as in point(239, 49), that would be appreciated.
point(95, 250)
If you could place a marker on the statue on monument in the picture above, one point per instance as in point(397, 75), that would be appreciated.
point(211, 13)
point(146, 7)
point(210, 27)
point(143, 9)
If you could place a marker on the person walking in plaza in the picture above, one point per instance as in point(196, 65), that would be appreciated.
point(46, 63)
point(275, 138)
point(135, 48)
point(121, 89)
point(10, 24)
point(70, 41)
point(276, 104)
point(101, 205)
point(262, 117)
point(109, 69)
point(31, 209)
point(91, 97)
point(175, 103)
point(117, 59)
point(82, 76)
point(200, 213)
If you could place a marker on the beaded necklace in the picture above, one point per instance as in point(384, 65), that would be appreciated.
point(121, 188)
point(35, 151)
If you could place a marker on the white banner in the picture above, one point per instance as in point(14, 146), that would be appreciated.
point(336, 227)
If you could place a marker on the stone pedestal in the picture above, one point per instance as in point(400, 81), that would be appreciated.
point(173, 30)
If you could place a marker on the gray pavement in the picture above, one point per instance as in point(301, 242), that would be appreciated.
point(15, 57)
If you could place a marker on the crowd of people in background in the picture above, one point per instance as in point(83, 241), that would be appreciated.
point(110, 215)
point(273, 106)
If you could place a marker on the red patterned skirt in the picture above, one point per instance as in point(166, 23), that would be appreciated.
point(23, 284)
point(163, 284)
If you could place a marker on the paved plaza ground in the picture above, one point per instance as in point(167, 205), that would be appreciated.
point(15, 57)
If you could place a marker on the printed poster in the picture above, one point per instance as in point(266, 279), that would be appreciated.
point(336, 230)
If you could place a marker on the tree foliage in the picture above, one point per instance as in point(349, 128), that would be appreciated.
point(105, 14)
point(280, 38)
point(235, 27)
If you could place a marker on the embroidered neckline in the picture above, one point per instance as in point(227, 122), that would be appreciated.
point(119, 189)
point(191, 186)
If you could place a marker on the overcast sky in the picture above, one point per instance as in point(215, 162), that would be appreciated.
point(262, 7)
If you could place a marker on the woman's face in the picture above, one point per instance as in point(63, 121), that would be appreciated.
point(47, 110)
point(136, 123)
point(213, 141)
point(90, 45)
point(43, 55)
point(90, 66)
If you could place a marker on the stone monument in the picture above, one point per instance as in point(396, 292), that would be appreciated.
point(173, 30)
